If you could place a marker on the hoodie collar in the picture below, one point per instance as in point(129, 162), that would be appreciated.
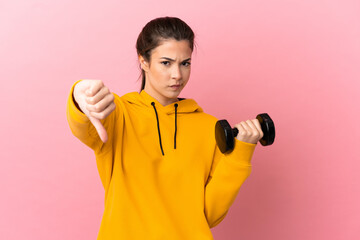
point(182, 106)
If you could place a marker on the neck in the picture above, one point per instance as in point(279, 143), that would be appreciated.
point(161, 99)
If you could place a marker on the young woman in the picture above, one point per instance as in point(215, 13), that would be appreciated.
point(163, 174)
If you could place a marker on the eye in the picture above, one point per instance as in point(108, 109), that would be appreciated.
point(186, 64)
point(166, 63)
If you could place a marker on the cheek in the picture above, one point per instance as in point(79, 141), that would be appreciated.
point(162, 74)
point(157, 74)
point(186, 73)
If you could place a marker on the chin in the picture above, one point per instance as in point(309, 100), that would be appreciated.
point(173, 94)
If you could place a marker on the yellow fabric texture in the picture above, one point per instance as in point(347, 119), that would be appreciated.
point(178, 195)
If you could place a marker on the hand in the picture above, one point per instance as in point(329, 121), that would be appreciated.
point(96, 101)
point(249, 131)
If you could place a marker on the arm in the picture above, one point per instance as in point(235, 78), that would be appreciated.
point(228, 173)
point(82, 127)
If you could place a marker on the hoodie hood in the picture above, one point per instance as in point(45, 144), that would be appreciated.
point(182, 106)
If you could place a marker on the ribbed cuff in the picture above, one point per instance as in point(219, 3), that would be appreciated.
point(242, 153)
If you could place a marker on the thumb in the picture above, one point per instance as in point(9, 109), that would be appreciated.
point(99, 128)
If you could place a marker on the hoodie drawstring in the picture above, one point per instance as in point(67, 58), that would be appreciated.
point(176, 105)
point(158, 125)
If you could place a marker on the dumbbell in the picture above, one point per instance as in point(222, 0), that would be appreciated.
point(225, 135)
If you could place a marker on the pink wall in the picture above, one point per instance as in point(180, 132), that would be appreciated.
point(297, 60)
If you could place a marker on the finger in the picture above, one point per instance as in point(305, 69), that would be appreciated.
point(242, 130)
point(100, 129)
point(94, 88)
point(101, 105)
point(258, 126)
point(105, 113)
point(251, 124)
point(255, 132)
point(98, 96)
point(245, 126)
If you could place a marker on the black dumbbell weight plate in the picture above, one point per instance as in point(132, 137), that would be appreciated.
point(224, 137)
point(268, 128)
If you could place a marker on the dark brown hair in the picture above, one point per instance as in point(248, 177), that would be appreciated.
point(158, 30)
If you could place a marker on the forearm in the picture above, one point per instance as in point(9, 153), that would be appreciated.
point(224, 184)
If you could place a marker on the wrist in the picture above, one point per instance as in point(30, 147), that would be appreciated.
point(75, 102)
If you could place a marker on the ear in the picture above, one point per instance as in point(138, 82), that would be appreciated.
point(143, 63)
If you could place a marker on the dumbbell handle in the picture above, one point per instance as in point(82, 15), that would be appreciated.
point(235, 131)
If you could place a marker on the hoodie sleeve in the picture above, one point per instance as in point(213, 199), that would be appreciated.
point(83, 129)
point(227, 174)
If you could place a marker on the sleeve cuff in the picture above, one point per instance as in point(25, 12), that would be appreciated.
point(242, 153)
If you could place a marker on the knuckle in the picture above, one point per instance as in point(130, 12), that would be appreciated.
point(109, 97)
point(243, 133)
point(90, 107)
point(113, 106)
point(102, 115)
point(96, 107)
point(256, 134)
point(91, 100)
point(92, 114)
point(88, 92)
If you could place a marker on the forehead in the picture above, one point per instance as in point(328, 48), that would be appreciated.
point(173, 49)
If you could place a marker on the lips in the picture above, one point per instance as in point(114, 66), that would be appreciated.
point(175, 85)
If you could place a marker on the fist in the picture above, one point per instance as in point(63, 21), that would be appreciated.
point(249, 131)
point(96, 101)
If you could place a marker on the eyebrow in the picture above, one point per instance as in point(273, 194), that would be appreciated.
point(173, 59)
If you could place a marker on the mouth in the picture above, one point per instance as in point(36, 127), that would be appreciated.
point(175, 87)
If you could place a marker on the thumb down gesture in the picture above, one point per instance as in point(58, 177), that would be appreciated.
point(96, 101)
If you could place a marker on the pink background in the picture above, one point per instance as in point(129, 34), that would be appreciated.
point(297, 60)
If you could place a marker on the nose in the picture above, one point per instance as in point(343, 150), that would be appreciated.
point(176, 72)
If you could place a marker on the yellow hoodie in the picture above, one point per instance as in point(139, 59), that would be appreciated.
point(163, 174)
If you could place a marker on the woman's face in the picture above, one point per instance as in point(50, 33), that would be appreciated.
point(169, 65)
